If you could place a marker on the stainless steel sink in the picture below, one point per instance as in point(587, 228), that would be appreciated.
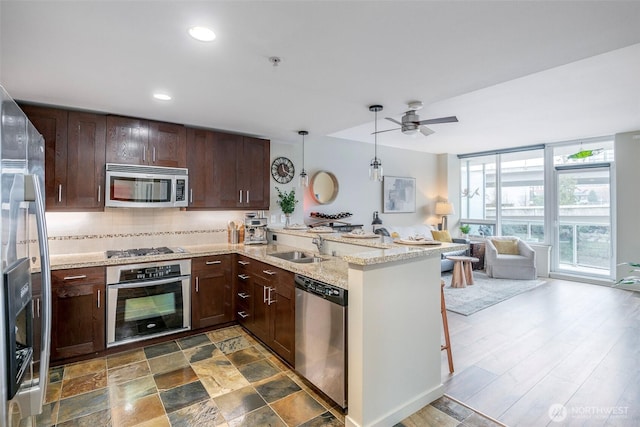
point(298, 257)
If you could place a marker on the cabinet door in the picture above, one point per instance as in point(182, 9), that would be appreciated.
point(85, 161)
point(200, 163)
point(167, 145)
point(211, 291)
point(227, 156)
point(52, 125)
point(260, 326)
point(283, 316)
point(127, 140)
point(254, 178)
point(78, 312)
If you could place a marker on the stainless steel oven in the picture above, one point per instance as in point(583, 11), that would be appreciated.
point(147, 300)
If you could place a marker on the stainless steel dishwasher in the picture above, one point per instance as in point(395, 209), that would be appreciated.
point(321, 336)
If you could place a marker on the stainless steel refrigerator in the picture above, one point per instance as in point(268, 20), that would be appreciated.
point(24, 251)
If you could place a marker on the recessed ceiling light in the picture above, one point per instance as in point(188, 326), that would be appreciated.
point(162, 96)
point(202, 33)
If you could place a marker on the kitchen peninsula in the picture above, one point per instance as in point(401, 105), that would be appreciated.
point(393, 314)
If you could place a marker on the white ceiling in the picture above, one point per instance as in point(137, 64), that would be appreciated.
point(515, 73)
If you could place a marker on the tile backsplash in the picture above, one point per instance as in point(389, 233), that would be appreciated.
point(82, 232)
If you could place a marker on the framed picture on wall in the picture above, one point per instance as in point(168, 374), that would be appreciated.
point(399, 194)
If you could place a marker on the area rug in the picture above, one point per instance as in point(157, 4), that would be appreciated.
point(484, 293)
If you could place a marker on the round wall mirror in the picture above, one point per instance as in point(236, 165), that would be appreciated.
point(324, 187)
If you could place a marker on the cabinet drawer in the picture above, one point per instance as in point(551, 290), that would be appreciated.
point(90, 275)
point(210, 263)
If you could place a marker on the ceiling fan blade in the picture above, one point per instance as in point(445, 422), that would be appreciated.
point(449, 119)
point(426, 131)
point(387, 130)
point(393, 120)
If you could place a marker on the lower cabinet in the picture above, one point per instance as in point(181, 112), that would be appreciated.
point(265, 304)
point(78, 312)
point(211, 291)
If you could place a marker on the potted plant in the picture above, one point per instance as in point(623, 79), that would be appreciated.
point(287, 202)
point(465, 229)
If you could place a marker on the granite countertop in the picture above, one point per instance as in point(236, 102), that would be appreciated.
point(333, 270)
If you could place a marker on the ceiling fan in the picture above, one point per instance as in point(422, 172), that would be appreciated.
point(411, 122)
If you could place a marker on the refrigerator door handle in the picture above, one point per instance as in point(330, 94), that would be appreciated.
point(31, 398)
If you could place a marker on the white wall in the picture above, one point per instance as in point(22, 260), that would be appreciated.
point(627, 155)
point(349, 162)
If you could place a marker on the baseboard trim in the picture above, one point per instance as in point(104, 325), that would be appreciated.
point(401, 412)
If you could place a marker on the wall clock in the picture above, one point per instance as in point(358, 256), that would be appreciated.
point(282, 170)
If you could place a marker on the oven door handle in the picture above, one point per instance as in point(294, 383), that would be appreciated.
point(143, 283)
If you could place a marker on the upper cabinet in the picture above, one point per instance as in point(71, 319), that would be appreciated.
point(142, 142)
point(227, 171)
point(74, 157)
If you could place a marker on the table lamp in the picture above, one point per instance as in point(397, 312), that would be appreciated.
point(444, 209)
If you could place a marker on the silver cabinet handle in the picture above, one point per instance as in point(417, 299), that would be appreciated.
point(247, 196)
point(144, 154)
point(197, 284)
point(81, 276)
point(154, 155)
point(213, 262)
point(269, 272)
point(243, 295)
point(99, 193)
point(38, 306)
point(243, 314)
point(59, 193)
point(243, 262)
point(264, 295)
point(191, 195)
point(240, 201)
point(269, 300)
point(243, 276)
point(98, 298)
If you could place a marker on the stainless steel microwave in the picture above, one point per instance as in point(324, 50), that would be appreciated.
point(132, 186)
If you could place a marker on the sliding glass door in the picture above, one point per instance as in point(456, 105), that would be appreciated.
point(583, 237)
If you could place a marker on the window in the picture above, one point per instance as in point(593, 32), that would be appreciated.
point(522, 195)
point(515, 179)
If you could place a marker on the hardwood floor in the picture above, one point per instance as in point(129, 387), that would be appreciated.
point(565, 347)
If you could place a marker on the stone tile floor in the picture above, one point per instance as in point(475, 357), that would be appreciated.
point(218, 378)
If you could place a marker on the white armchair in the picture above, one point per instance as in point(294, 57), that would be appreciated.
point(509, 258)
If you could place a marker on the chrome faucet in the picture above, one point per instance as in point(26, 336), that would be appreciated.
point(319, 242)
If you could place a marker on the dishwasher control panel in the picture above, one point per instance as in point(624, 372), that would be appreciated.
point(333, 293)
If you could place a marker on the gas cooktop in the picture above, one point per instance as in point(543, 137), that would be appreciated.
point(129, 253)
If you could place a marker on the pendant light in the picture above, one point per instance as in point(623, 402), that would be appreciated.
point(375, 167)
point(304, 178)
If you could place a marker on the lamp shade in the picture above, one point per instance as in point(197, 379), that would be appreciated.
point(444, 208)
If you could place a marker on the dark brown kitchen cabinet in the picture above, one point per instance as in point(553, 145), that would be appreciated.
point(74, 157)
point(211, 291)
point(271, 311)
point(244, 292)
point(143, 142)
point(200, 156)
point(78, 312)
point(227, 171)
